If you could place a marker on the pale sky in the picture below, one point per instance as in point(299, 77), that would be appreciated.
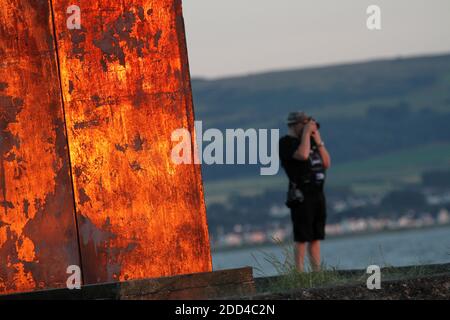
point(235, 37)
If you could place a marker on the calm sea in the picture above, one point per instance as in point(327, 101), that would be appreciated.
point(411, 247)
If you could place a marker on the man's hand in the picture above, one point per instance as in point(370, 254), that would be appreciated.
point(310, 127)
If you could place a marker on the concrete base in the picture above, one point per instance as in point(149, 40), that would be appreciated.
point(208, 285)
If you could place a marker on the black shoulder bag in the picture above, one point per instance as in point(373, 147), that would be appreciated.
point(294, 196)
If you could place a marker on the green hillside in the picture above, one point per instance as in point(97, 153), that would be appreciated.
point(366, 110)
point(384, 122)
point(378, 174)
point(328, 92)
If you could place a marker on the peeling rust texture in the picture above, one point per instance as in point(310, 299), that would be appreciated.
point(38, 237)
point(126, 87)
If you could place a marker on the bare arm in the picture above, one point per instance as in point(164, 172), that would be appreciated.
point(322, 150)
point(325, 157)
point(303, 150)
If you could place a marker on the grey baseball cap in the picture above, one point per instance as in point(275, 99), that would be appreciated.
point(296, 117)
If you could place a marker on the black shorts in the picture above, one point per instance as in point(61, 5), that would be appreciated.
point(309, 218)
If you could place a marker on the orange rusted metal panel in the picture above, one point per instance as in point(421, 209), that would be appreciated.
point(126, 87)
point(38, 237)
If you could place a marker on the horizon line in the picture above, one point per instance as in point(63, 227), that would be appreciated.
point(319, 66)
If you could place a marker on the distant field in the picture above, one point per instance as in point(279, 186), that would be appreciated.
point(431, 98)
point(377, 174)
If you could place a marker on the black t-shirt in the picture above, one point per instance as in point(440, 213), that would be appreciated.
point(309, 172)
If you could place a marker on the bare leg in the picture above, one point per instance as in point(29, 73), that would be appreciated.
point(299, 251)
point(314, 255)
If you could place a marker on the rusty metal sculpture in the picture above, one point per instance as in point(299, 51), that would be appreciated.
point(86, 117)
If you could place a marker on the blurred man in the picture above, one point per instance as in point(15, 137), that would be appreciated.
point(305, 159)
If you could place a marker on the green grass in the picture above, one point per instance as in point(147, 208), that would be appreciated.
point(375, 175)
point(289, 278)
point(393, 273)
point(404, 165)
point(429, 99)
point(219, 191)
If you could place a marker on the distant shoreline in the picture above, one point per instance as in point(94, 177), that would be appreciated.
point(343, 236)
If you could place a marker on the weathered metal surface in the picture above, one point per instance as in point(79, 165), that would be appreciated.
point(38, 238)
point(126, 87)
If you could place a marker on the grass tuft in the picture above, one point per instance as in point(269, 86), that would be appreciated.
point(291, 278)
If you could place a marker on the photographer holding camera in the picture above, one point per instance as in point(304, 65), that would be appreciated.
point(305, 160)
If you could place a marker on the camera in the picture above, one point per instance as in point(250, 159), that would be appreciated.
point(294, 196)
point(317, 123)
